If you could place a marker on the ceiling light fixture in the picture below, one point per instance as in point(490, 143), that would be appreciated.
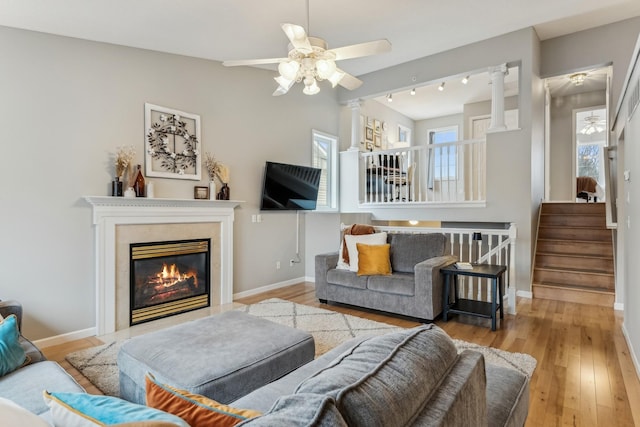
point(441, 87)
point(389, 98)
point(465, 80)
point(413, 91)
point(578, 78)
point(593, 124)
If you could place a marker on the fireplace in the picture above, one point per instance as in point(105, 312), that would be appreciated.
point(168, 278)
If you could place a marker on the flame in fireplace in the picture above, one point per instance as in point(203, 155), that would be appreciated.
point(171, 275)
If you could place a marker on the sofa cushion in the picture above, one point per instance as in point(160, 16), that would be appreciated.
point(12, 355)
point(373, 260)
point(386, 380)
point(409, 249)
point(87, 410)
point(507, 396)
point(193, 408)
point(300, 410)
point(367, 239)
point(397, 283)
point(346, 278)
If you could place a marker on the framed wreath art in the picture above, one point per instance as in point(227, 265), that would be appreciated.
point(172, 143)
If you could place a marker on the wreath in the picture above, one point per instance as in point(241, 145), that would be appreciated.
point(163, 138)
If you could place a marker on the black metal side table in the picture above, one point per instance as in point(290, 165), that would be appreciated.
point(469, 306)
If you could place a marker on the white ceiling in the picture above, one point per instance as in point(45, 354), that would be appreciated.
point(248, 29)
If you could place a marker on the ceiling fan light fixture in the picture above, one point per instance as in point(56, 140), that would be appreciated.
point(310, 86)
point(578, 78)
point(325, 68)
point(336, 77)
point(289, 69)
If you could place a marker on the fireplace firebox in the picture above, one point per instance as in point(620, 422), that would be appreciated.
point(168, 278)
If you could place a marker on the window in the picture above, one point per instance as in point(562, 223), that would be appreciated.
point(445, 157)
point(324, 155)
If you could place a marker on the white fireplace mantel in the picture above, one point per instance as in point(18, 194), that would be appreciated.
point(109, 212)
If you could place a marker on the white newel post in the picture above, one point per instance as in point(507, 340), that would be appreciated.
point(511, 309)
point(355, 125)
point(497, 98)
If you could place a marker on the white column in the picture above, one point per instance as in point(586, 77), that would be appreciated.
point(355, 124)
point(513, 233)
point(497, 98)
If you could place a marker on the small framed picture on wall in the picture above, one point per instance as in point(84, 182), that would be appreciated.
point(369, 133)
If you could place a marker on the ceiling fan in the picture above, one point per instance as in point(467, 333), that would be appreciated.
point(593, 124)
point(309, 61)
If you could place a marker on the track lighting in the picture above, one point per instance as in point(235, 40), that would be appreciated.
point(441, 87)
point(389, 97)
point(465, 80)
point(413, 91)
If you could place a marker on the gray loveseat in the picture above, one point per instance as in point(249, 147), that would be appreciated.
point(413, 377)
point(414, 288)
point(24, 386)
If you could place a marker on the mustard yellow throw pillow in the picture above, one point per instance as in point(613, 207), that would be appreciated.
point(373, 260)
point(195, 409)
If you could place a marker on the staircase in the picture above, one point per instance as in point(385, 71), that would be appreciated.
point(574, 254)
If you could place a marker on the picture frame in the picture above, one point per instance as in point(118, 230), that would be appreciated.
point(377, 140)
point(172, 143)
point(370, 121)
point(368, 134)
point(362, 128)
point(200, 192)
point(377, 127)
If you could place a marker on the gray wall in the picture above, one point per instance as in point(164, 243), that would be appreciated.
point(421, 136)
point(561, 140)
point(67, 104)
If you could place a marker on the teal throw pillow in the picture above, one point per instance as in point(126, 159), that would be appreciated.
point(12, 355)
point(87, 410)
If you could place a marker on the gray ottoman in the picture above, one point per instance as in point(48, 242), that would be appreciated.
point(222, 357)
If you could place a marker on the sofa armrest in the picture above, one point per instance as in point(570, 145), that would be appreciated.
point(429, 283)
point(324, 263)
point(8, 308)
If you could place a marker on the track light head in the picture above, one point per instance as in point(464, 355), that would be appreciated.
point(441, 87)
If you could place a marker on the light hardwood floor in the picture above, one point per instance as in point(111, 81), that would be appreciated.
point(584, 376)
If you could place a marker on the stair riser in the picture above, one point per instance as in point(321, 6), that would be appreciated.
point(603, 265)
point(573, 208)
point(584, 280)
point(596, 221)
point(576, 248)
point(597, 235)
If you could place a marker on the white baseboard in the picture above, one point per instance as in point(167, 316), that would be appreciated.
point(311, 279)
point(525, 294)
point(61, 339)
point(266, 288)
point(634, 358)
point(618, 306)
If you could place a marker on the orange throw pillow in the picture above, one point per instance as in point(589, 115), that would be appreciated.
point(373, 260)
point(195, 409)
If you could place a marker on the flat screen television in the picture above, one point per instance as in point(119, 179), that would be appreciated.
point(289, 187)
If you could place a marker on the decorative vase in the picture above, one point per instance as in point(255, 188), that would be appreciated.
point(116, 187)
point(130, 193)
point(138, 184)
point(224, 192)
point(212, 190)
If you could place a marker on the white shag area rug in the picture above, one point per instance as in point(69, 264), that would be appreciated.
point(328, 328)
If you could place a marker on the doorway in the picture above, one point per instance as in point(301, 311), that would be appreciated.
point(590, 140)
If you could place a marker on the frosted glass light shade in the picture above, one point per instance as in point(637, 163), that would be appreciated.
point(289, 69)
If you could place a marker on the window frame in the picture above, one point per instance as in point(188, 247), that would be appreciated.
point(331, 169)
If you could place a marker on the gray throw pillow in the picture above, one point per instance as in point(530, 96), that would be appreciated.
point(300, 410)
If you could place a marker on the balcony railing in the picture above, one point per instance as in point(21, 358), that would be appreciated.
point(452, 172)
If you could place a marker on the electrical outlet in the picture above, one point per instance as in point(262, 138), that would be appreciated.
point(277, 265)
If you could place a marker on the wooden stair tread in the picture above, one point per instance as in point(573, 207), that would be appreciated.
point(573, 287)
point(573, 255)
point(574, 270)
point(542, 239)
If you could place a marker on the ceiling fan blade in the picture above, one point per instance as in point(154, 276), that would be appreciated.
point(239, 62)
point(298, 37)
point(349, 82)
point(362, 49)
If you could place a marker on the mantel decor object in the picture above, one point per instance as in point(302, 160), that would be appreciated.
point(123, 158)
point(172, 143)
